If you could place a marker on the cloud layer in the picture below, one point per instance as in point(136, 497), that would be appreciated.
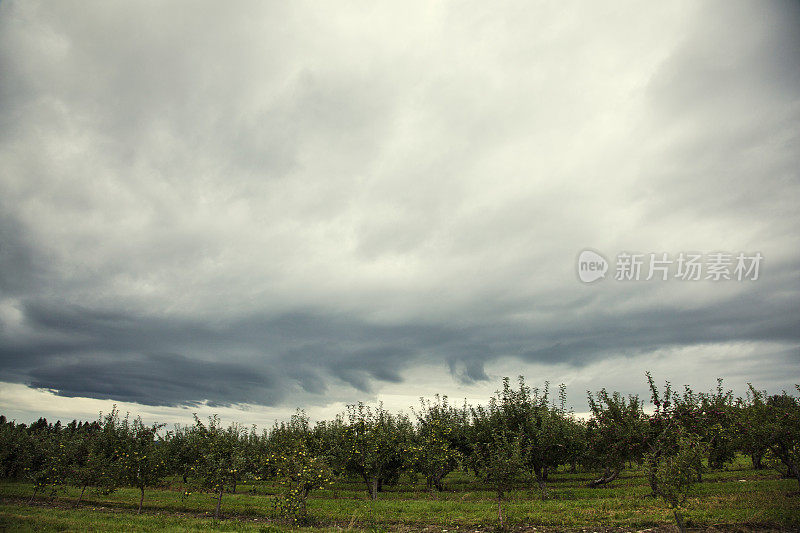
point(291, 204)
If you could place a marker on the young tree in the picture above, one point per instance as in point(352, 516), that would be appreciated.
point(92, 454)
point(47, 468)
point(219, 457)
point(375, 442)
point(718, 415)
point(141, 457)
point(298, 473)
point(747, 441)
point(434, 452)
point(708, 416)
point(672, 467)
point(89, 466)
point(672, 411)
point(518, 430)
point(616, 433)
point(547, 436)
point(251, 454)
point(526, 413)
point(498, 462)
point(774, 421)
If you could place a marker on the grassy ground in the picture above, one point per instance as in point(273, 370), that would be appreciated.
point(737, 498)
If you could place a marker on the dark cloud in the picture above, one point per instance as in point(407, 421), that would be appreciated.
point(254, 360)
point(266, 360)
point(157, 379)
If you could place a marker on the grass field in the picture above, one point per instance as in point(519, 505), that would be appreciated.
point(737, 498)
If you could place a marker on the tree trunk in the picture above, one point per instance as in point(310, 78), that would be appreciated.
point(141, 500)
point(540, 474)
point(607, 477)
point(792, 468)
point(219, 501)
point(651, 479)
point(543, 488)
point(500, 508)
point(756, 457)
point(373, 488)
point(33, 496)
point(796, 471)
point(80, 498)
point(679, 521)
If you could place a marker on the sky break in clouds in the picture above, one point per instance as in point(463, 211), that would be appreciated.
point(253, 207)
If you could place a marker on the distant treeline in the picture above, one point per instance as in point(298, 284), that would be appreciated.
point(522, 435)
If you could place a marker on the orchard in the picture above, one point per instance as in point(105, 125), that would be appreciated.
point(522, 441)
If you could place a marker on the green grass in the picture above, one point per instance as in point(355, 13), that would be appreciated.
point(20, 517)
point(721, 500)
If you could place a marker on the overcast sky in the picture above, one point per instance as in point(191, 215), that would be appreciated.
point(250, 207)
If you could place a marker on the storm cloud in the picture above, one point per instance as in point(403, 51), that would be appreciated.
point(298, 204)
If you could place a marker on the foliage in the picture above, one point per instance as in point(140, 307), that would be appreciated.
point(298, 473)
point(375, 442)
point(616, 433)
point(498, 463)
point(48, 460)
point(15, 449)
point(672, 466)
point(181, 450)
point(216, 467)
point(774, 422)
point(435, 449)
point(543, 429)
point(91, 464)
point(141, 460)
